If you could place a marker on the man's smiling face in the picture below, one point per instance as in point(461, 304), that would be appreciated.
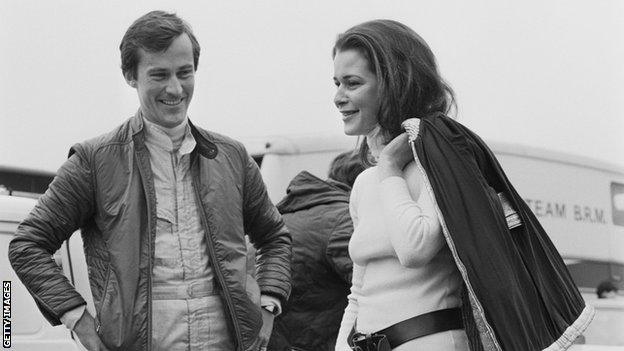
point(165, 82)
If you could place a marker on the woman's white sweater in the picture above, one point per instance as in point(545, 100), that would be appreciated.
point(402, 265)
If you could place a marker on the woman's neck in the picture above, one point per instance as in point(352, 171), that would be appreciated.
point(376, 141)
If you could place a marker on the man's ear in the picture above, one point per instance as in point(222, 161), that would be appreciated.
point(130, 79)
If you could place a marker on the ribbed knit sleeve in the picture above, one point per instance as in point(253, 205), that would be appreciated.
point(413, 226)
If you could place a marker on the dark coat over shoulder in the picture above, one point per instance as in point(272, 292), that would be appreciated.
point(519, 293)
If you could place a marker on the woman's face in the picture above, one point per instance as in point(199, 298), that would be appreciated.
point(356, 95)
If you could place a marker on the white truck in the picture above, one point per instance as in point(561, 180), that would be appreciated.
point(579, 201)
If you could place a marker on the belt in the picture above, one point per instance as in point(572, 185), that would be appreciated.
point(183, 291)
point(419, 326)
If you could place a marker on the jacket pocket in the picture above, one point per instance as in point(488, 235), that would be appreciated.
point(114, 172)
point(103, 296)
point(111, 326)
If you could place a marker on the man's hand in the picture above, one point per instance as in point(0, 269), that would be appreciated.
point(265, 332)
point(85, 330)
point(394, 157)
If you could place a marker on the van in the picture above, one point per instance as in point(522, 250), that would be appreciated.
point(29, 330)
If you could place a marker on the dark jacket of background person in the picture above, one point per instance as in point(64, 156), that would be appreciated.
point(316, 213)
point(106, 189)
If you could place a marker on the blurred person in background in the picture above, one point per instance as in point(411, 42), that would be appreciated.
point(164, 207)
point(606, 290)
point(435, 263)
point(316, 213)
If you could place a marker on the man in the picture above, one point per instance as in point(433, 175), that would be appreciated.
point(316, 212)
point(164, 207)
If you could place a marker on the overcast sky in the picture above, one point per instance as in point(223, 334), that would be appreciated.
point(543, 73)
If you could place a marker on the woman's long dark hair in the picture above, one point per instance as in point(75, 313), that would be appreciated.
point(408, 81)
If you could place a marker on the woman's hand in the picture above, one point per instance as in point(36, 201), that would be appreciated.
point(394, 157)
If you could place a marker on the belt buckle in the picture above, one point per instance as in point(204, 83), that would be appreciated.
point(370, 342)
point(193, 289)
point(360, 341)
point(190, 291)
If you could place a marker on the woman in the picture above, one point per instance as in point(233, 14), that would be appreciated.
point(436, 266)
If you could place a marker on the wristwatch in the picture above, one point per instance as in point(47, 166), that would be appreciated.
point(272, 309)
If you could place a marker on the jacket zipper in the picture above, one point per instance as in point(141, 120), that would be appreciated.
point(149, 281)
point(215, 264)
point(98, 313)
point(150, 225)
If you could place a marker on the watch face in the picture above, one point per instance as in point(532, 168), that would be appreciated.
point(270, 308)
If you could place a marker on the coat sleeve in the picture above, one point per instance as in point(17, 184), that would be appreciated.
point(413, 224)
point(268, 234)
point(65, 206)
point(337, 252)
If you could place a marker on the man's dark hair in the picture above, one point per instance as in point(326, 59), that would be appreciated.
point(153, 32)
point(346, 167)
point(605, 287)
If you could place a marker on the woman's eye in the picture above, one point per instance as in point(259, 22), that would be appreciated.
point(348, 84)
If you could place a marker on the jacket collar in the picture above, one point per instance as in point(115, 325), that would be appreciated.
point(204, 147)
point(307, 190)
